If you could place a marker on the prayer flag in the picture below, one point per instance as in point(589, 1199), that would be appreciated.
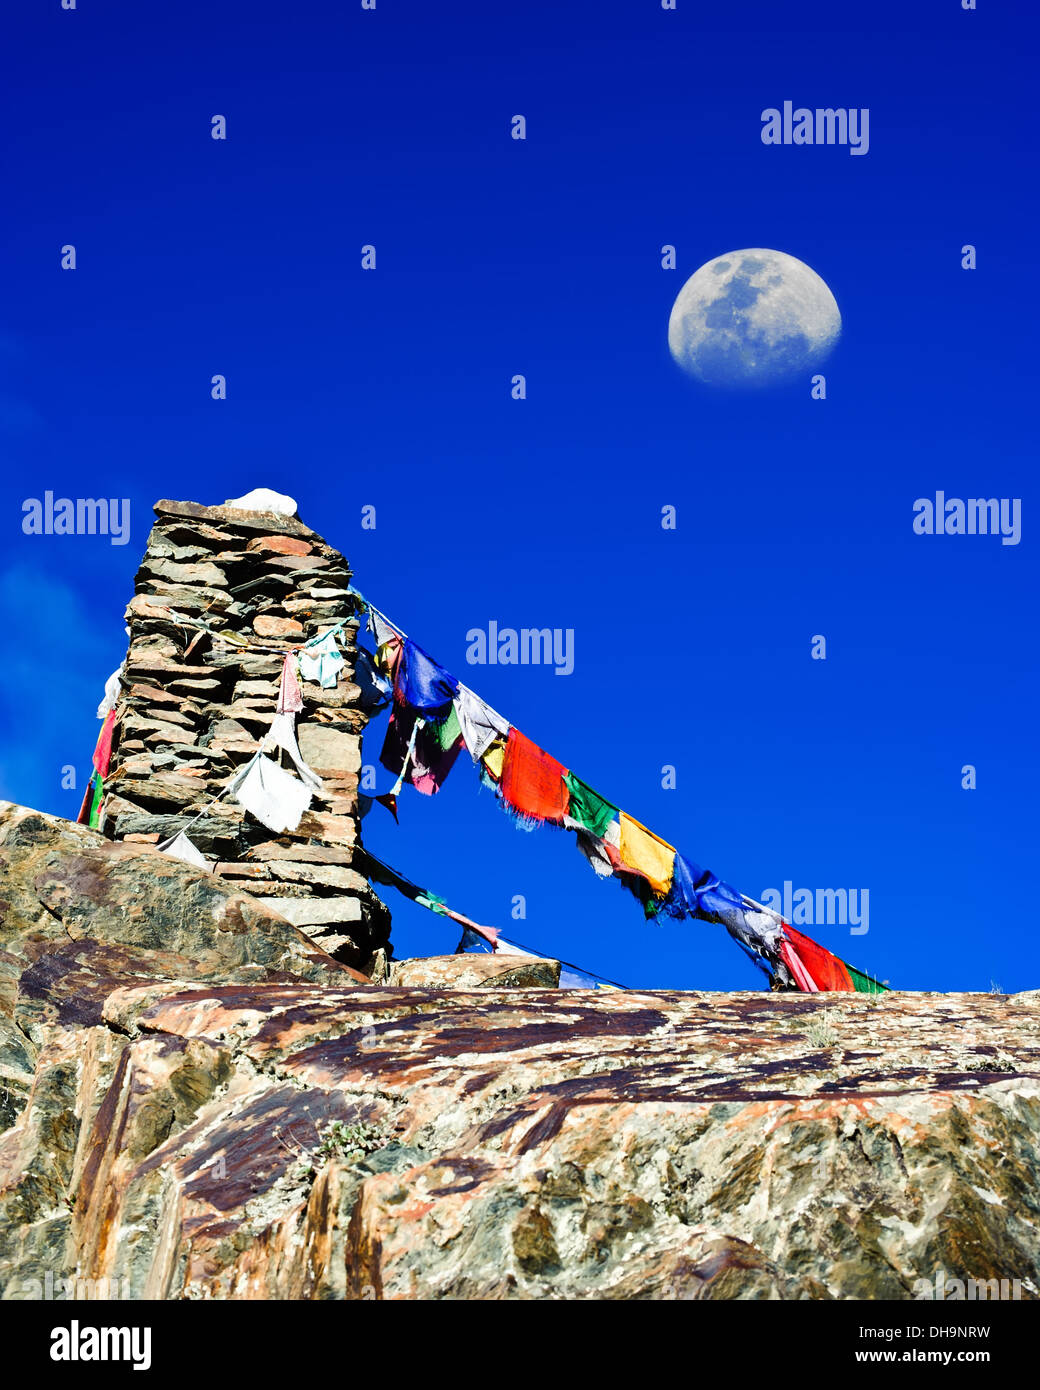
point(488, 933)
point(588, 810)
point(448, 732)
point(290, 697)
point(436, 748)
point(471, 943)
point(383, 873)
point(321, 660)
point(807, 958)
point(376, 690)
point(864, 984)
point(421, 684)
point(95, 805)
point(381, 630)
point(180, 847)
point(493, 760)
point(271, 794)
point(645, 854)
point(88, 797)
point(112, 689)
point(431, 902)
point(420, 753)
point(103, 750)
point(388, 655)
point(603, 853)
point(532, 781)
point(479, 723)
point(282, 734)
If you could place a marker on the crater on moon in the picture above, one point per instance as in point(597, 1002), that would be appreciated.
point(752, 318)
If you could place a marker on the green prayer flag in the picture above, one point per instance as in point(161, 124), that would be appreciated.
point(95, 805)
point(449, 730)
point(588, 807)
point(433, 901)
point(864, 984)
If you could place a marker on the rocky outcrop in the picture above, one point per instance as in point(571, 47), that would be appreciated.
point(194, 700)
point(475, 972)
point(201, 1104)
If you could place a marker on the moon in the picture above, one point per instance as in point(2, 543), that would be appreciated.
point(752, 318)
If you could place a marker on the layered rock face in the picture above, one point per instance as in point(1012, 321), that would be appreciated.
point(200, 1103)
point(194, 704)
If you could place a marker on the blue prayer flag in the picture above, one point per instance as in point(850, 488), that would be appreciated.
point(421, 683)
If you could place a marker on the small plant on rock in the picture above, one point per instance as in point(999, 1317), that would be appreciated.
point(820, 1032)
point(344, 1142)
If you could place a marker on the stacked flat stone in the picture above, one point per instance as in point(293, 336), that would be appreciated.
point(193, 708)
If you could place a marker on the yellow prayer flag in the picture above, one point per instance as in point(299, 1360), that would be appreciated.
point(494, 759)
point(642, 851)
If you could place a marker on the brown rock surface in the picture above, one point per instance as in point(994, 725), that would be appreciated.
point(200, 1104)
point(286, 628)
point(475, 972)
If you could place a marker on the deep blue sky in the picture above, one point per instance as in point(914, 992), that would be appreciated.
point(393, 388)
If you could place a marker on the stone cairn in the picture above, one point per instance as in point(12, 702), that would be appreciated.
point(193, 706)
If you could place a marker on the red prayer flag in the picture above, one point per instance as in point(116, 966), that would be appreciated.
point(290, 696)
point(84, 811)
point(802, 955)
point(103, 751)
point(532, 781)
point(489, 934)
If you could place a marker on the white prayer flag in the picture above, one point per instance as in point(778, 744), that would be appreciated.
point(180, 847)
point(480, 724)
point(274, 796)
point(282, 734)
